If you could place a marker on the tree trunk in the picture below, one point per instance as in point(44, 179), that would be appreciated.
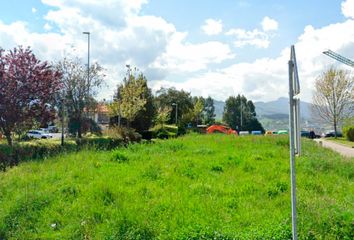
point(79, 135)
point(8, 137)
point(335, 128)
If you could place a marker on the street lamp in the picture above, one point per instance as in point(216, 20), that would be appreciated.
point(241, 109)
point(175, 104)
point(88, 62)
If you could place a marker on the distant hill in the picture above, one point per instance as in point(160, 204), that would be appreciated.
point(278, 108)
point(275, 114)
point(281, 106)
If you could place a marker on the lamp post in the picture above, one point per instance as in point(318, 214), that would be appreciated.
point(88, 62)
point(175, 104)
point(241, 109)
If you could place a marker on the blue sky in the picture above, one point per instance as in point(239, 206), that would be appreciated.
point(210, 48)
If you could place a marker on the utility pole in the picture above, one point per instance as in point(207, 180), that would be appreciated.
point(88, 64)
point(241, 113)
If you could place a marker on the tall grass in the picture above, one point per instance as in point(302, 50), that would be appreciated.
point(193, 187)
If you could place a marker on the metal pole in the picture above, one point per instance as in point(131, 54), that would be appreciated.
point(88, 63)
point(241, 115)
point(292, 151)
point(62, 122)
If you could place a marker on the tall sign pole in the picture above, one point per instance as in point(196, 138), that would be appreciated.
point(294, 126)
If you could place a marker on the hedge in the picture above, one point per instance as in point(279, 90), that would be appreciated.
point(348, 132)
point(40, 149)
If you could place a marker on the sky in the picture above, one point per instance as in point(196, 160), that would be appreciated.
point(206, 47)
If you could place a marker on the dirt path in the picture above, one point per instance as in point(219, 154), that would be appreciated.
point(343, 150)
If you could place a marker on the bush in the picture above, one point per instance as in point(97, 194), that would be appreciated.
point(348, 132)
point(164, 132)
point(126, 134)
point(11, 156)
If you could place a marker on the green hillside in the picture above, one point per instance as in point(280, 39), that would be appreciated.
point(193, 187)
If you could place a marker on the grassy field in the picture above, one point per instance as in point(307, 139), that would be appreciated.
point(342, 141)
point(193, 187)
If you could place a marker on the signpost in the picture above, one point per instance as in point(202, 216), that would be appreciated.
point(294, 126)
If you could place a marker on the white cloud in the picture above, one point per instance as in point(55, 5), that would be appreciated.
point(255, 38)
point(47, 27)
point(181, 56)
point(269, 24)
point(266, 79)
point(348, 8)
point(34, 10)
point(212, 27)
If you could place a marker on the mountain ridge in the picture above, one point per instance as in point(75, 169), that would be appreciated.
point(278, 107)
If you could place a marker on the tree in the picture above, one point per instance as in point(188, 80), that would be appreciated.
point(163, 114)
point(167, 96)
point(131, 97)
point(79, 91)
point(196, 114)
point(27, 90)
point(240, 114)
point(333, 97)
point(146, 115)
point(209, 111)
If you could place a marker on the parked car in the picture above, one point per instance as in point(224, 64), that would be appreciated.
point(243, 133)
point(38, 134)
point(256, 132)
point(305, 134)
point(282, 132)
point(331, 134)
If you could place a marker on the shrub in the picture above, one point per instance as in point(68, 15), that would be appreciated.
point(11, 156)
point(126, 134)
point(348, 132)
point(164, 132)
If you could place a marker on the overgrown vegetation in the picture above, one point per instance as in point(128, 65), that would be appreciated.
point(40, 149)
point(193, 187)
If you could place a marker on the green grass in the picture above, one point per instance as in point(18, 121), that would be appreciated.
point(342, 141)
point(193, 187)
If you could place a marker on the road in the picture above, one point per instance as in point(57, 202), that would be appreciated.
point(56, 135)
point(343, 150)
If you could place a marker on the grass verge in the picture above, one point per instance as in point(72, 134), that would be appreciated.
point(193, 187)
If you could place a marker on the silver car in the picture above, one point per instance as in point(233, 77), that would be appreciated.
point(38, 134)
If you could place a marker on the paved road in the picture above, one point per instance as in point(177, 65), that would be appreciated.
point(343, 150)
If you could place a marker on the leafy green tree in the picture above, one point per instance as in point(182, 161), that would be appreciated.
point(167, 96)
point(146, 115)
point(134, 101)
point(197, 112)
point(240, 114)
point(163, 114)
point(209, 111)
